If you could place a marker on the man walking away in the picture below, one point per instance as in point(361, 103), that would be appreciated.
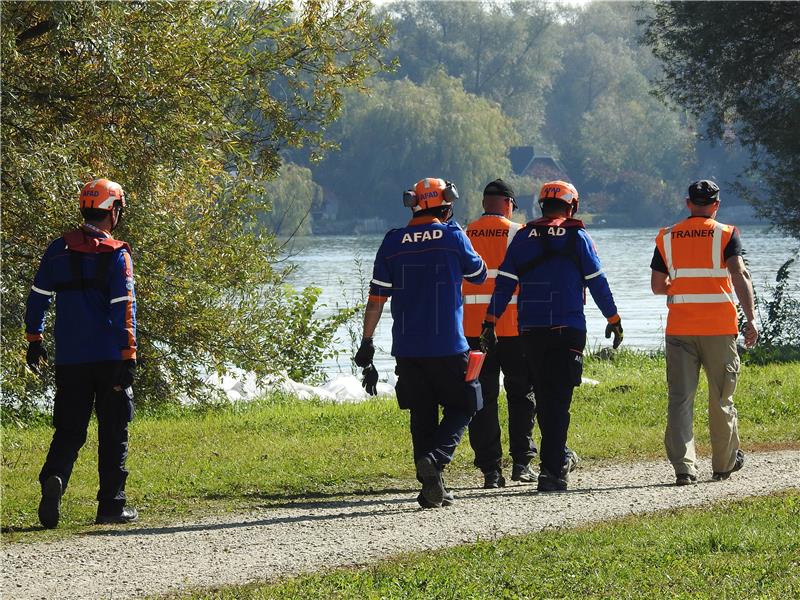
point(552, 260)
point(91, 276)
point(491, 235)
point(421, 267)
point(694, 264)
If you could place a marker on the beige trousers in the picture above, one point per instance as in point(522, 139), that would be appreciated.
point(719, 359)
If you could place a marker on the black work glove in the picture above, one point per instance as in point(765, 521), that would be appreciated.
point(488, 337)
point(35, 355)
point(365, 354)
point(123, 378)
point(616, 329)
point(370, 380)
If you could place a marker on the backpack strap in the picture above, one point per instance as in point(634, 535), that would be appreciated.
point(77, 282)
point(570, 252)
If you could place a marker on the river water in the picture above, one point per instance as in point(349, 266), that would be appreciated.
point(342, 267)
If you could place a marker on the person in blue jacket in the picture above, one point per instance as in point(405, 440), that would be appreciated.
point(90, 276)
point(553, 260)
point(421, 267)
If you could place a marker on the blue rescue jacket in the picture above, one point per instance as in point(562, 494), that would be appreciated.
point(90, 275)
point(421, 267)
point(552, 261)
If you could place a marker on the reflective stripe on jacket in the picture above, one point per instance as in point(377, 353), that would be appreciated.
point(700, 295)
point(491, 236)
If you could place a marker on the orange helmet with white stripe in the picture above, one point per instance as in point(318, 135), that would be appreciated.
point(559, 190)
point(432, 192)
point(102, 194)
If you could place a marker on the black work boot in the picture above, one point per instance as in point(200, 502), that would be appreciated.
point(522, 473)
point(685, 479)
point(122, 516)
point(737, 465)
point(50, 504)
point(551, 483)
point(447, 500)
point(493, 479)
point(432, 485)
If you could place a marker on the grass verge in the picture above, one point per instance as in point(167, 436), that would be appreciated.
point(187, 462)
point(743, 549)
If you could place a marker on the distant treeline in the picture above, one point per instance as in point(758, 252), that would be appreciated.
point(474, 79)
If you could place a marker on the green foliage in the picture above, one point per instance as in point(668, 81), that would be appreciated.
point(747, 548)
point(292, 196)
point(403, 132)
point(186, 104)
point(629, 155)
point(504, 51)
point(779, 315)
point(738, 66)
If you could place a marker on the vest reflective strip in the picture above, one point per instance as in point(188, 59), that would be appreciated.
point(491, 273)
point(121, 299)
point(700, 273)
point(483, 299)
point(509, 275)
point(716, 269)
point(41, 291)
point(513, 229)
point(668, 251)
point(699, 299)
point(381, 283)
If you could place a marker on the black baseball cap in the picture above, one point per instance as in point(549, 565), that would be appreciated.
point(704, 192)
point(498, 187)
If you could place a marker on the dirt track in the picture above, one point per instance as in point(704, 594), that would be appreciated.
point(306, 536)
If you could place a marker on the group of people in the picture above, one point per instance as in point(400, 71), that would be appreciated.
point(516, 292)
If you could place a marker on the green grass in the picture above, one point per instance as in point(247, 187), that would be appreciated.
point(184, 463)
point(744, 549)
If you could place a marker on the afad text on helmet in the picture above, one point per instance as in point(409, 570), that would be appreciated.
point(554, 231)
point(92, 193)
point(422, 236)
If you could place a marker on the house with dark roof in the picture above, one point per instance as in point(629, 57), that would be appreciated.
point(525, 161)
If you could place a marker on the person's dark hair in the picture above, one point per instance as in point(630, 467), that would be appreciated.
point(93, 215)
point(552, 206)
point(440, 212)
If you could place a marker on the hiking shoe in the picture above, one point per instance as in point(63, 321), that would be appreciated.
point(493, 480)
point(432, 484)
point(685, 479)
point(126, 515)
point(447, 500)
point(571, 460)
point(550, 483)
point(50, 504)
point(522, 473)
point(738, 464)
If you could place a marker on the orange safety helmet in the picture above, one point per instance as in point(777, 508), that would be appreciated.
point(559, 190)
point(430, 193)
point(102, 194)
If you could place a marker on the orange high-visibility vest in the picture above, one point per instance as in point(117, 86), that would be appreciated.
point(700, 296)
point(490, 236)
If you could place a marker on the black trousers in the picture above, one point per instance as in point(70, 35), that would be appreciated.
point(425, 383)
point(555, 360)
point(78, 389)
point(484, 429)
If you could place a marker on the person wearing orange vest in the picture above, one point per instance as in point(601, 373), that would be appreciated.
point(491, 235)
point(698, 264)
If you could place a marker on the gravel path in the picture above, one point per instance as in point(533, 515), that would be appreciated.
point(306, 536)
